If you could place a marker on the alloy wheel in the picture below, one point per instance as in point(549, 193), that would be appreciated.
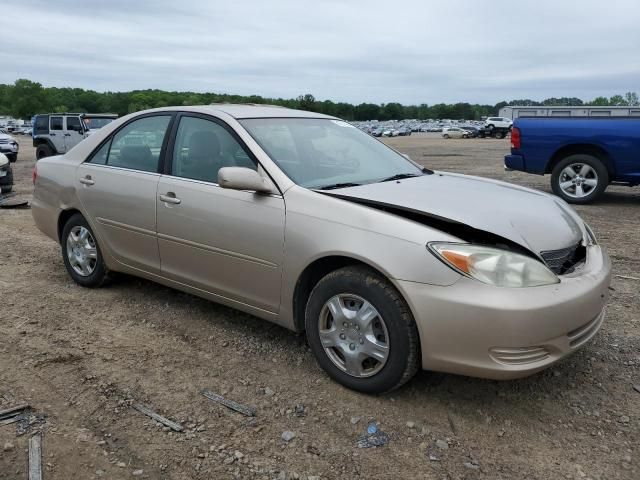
point(81, 251)
point(578, 180)
point(354, 335)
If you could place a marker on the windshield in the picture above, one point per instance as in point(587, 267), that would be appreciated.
point(93, 123)
point(321, 153)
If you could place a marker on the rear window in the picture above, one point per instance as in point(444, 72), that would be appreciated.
point(42, 124)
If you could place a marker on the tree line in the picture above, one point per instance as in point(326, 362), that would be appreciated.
point(25, 98)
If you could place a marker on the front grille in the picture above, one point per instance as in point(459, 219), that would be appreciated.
point(4, 140)
point(518, 356)
point(564, 260)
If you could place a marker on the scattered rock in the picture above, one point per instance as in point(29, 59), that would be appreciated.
point(268, 392)
point(8, 446)
point(299, 410)
point(287, 436)
point(238, 454)
point(99, 473)
point(354, 420)
point(624, 419)
point(411, 424)
point(137, 473)
point(121, 464)
point(471, 465)
point(442, 444)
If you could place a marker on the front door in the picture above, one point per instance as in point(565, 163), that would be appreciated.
point(74, 133)
point(56, 133)
point(117, 187)
point(226, 242)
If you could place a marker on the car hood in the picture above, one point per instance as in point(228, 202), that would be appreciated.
point(534, 220)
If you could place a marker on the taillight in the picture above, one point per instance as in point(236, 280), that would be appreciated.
point(515, 138)
point(34, 174)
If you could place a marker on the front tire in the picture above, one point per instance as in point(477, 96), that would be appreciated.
point(81, 254)
point(445, 136)
point(361, 331)
point(579, 178)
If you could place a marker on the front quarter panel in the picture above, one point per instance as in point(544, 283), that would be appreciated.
point(319, 226)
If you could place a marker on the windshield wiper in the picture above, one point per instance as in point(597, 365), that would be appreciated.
point(400, 176)
point(339, 185)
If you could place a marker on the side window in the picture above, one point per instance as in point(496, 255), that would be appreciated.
point(100, 157)
point(56, 123)
point(203, 147)
point(73, 124)
point(138, 145)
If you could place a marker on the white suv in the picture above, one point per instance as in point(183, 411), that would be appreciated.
point(498, 122)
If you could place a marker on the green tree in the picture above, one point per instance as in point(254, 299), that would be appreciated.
point(600, 101)
point(617, 100)
point(631, 99)
point(27, 98)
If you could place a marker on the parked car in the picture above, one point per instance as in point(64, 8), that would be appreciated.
point(498, 122)
point(57, 133)
point(473, 131)
point(387, 266)
point(9, 146)
point(454, 132)
point(6, 174)
point(583, 155)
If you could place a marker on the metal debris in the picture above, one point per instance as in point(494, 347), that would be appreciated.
point(238, 407)
point(373, 437)
point(158, 418)
point(35, 457)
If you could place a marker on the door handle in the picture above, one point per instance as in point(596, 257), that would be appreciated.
point(67, 134)
point(87, 180)
point(52, 134)
point(170, 197)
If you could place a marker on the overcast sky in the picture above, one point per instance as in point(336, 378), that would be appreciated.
point(478, 51)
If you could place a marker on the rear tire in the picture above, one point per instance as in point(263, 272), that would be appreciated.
point(384, 326)
point(445, 136)
point(499, 135)
point(579, 178)
point(43, 151)
point(81, 255)
point(12, 157)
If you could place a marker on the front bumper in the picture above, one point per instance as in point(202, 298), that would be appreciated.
point(6, 178)
point(475, 329)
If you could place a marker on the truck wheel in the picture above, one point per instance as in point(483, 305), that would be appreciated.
point(579, 178)
point(491, 126)
point(43, 151)
point(499, 135)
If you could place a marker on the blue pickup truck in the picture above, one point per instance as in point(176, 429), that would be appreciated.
point(583, 154)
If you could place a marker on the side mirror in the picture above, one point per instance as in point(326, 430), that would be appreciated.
point(240, 178)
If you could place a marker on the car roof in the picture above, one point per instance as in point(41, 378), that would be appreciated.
point(241, 111)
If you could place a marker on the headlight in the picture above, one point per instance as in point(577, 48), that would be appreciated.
point(494, 266)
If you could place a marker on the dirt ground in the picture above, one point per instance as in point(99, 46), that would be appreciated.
point(81, 357)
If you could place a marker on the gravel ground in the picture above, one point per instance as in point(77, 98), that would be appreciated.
point(81, 358)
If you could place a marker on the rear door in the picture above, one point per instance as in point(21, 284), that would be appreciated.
point(227, 242)
point(117, 187)
point(74, 133)
point(56, 132)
